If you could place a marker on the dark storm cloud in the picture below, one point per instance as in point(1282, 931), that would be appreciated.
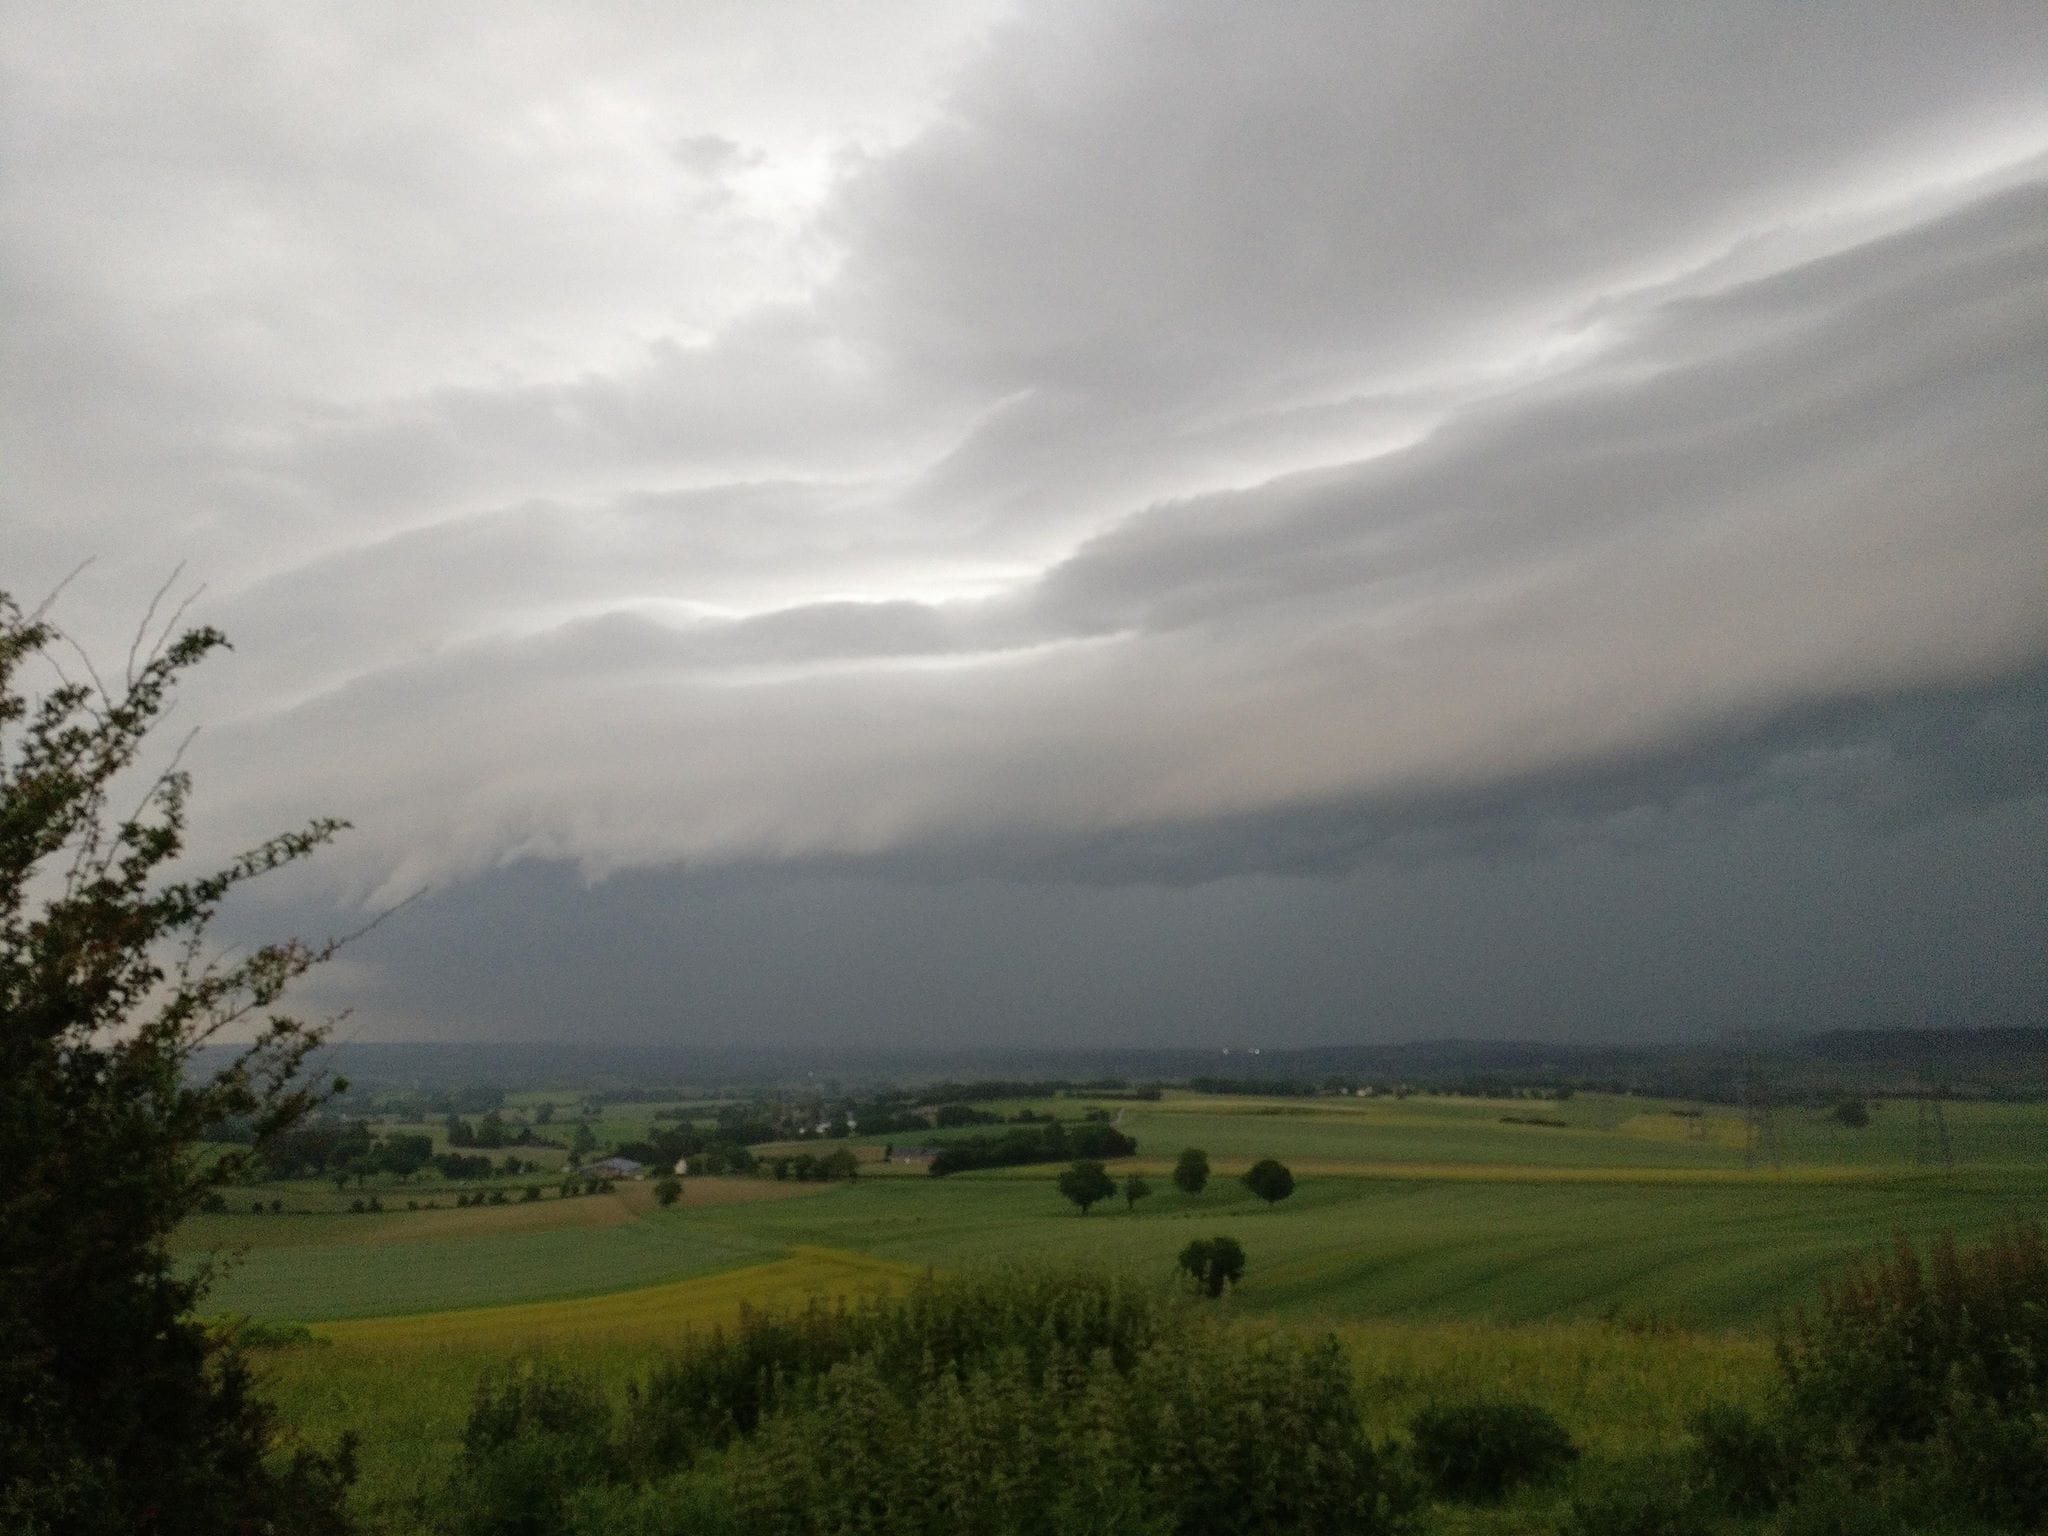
point(1085, 446)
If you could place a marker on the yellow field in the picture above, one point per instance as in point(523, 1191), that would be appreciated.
point(645, 1315)
point(1621, 1392)
point(1714, 1130)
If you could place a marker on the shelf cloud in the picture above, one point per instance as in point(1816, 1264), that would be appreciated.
point(1208, 459)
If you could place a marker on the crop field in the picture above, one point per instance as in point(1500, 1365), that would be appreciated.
point(405, 1384)
point(1417, 1208)
point(651, 1314)
point(346, 1278)
point(1620, 1269)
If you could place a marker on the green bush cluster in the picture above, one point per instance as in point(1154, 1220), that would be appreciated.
point(1483, 1448)
point(1053, 1143)
point(1032, 1402)
point(1914, 1397)
point(1212, 1430)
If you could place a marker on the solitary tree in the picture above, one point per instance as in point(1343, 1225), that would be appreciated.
point(668, 1190)
point(1087, 1182)
point(119, 1410)
point(1191, 1173)
point(1269, 1180)
point(1135, 1189)
point(1213, 1263)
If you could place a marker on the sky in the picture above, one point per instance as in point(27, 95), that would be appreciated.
point(930, 525)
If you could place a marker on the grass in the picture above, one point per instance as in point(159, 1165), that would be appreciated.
point(363, 1279)
point(650, 1314)
point(404, 1384)
point(1619, 1270)
point(1405, 1208)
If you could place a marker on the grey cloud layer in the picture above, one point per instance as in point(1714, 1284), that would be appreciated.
point(1197, 432)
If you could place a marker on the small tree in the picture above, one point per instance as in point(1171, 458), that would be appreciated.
point(119, 1410)
point(667, 1191)
point(1270, 1180)
point(1191, 1173)
point(1213, 1264)
point(1135, 1189)
point(1087, 1182)
point(1853, 1113)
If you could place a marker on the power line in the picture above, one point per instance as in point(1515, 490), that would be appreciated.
point(1759, 1123)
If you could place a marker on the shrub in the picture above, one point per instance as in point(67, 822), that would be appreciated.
point(1744, 1463)
point(1191, 1173)
point(1895, 1340)
point(668, 1190)
point(718, 1386)
point(1206, 1431)
point(672, 1506)
point(1636, 1501)
point(536, 1435)
point(1834, 1505)
point(1480, 1449)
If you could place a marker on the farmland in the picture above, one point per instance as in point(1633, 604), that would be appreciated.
point(1613, 1259)
point(1419, 1208)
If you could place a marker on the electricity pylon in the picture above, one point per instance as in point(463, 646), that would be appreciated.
point(1930, 1128)
point(1759, 1124)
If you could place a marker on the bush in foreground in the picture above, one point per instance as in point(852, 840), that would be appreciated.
point(120, 1410)
point(1033, 1403)
point(1480, 1449)
point(1915, 1395)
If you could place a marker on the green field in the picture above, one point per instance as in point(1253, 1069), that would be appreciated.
point(1414, 1208)
point(404, 1384)
point(1621, 1269)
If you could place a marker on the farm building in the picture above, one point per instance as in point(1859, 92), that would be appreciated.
point(616, 1168)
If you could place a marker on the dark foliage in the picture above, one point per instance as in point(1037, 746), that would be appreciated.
point(119, 1410)
point(1899, 1342)
point(1213, 1264)
point(804, 1167)
point(948, 1116)
point(1033, 1144)
point(537, 1434)
point(1262, 1087)
point(1047, 1402)
point(1639, 1501)
point(1742, 1462)
point(718, 1386)
point(1086, 1183)
point(1191, 1172)
point(1210, 1432)
point(1272, 1181)
point(1915, 1395)
point(1480, 1449)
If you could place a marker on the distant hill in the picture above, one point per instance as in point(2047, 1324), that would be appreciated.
point(2005, 1062)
